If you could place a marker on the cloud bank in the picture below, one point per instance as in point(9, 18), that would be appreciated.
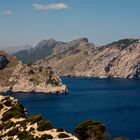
point(50, 6)
point(8, 12)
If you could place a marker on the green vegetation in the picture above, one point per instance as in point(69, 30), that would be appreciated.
point(44, 125)
point(60, 129)
point(45, 137)
point(8, 125)
point(7, 103)
point(89, 129)
point(63, 135)
point(35, 119)
point(23, 123)
point(13, 132)
point(14, 112)
point(1, 106)
point(22, 135)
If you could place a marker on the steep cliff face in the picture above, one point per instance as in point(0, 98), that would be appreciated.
point(119, 59)
point(16, 124)
point(18, 77)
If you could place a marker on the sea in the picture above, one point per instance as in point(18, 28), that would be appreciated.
point(114, 102)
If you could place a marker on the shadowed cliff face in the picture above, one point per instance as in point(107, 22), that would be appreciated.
point(19, 77)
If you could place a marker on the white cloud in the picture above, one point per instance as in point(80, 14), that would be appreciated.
point(8, 12)
point(50, 6)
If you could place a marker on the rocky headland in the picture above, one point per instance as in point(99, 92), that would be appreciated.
point(19, 77)
point(120, 59)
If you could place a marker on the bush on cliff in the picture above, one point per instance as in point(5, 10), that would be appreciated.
point(44, 125)
point(35, 119)
point(63, 135)
point(91, 129)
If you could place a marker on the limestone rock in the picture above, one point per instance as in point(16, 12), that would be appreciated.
point(19, 77)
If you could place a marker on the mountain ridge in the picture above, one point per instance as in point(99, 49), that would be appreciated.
point(119, 59)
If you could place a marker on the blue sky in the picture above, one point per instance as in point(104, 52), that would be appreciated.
point(101, 21)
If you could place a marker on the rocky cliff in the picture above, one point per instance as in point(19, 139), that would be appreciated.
point(18, 77)
point(119, 59)
point(15, 124)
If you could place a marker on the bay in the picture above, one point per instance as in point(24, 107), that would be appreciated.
point(114, 102)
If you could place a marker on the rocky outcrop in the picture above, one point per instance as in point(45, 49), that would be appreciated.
point(15, 124)
point(119, 59)
point(18, 77)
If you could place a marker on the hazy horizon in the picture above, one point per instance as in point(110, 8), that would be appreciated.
point(28, 22)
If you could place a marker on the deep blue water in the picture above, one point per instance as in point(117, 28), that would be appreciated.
point(116, 103)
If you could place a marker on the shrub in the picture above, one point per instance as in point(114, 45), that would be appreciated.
point(22, 135)
point(7, 115)
point(60, 129)
point(44, 125)
point(88, 129)
point(30, 137)
point(35, 119)
point(63, 135)
point(1, 106)
point(45, 137)
point(8, 125)
point(7, 103)
point(23, 123)
point(2, 126)
point(13, 132)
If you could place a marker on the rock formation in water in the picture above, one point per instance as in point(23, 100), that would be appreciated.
point(18, 77)
point(119, 59)
point(15, 124)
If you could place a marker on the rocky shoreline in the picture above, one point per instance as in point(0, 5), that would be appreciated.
point(19, 77)
point(15, 124)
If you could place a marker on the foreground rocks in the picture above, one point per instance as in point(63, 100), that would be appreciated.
point(16, 125)
point(19, 77)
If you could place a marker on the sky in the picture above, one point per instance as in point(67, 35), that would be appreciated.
point(26, 22)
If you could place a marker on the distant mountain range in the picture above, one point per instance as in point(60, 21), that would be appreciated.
point(14, 49)
point(120, 59)
point(48, 48)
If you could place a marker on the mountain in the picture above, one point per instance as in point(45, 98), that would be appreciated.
point(49, 47)
point(119, 59)
point(14, 49)
point(19, 77)
point(15, 124)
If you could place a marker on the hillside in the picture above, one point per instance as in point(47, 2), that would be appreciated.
point(120, 59)
point(15, 124)
point(18, 77)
